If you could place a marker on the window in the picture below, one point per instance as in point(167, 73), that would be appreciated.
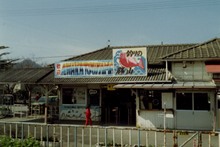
point(93, 96)
point(184, 101)
point(201, 101)
point(192, 101)
point(74, 95)
point(150, 99)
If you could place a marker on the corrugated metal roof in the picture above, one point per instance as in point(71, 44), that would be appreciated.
point(207, 50)
point(46, 76)
point(153, 52)
point(154, 75)
point(24, 75)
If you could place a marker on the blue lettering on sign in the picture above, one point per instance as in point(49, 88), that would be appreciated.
point(110, 72)
point(104, 72)
point(94, 72)
point(81, 71)
point(87, 72)
point(76, 71)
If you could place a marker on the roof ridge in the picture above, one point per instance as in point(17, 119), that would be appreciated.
point(188, 48)
point(86, 53)
point(115, 47)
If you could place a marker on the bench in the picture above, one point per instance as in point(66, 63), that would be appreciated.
point(20, 109)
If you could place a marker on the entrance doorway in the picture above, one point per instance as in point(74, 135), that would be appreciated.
point(118, 107)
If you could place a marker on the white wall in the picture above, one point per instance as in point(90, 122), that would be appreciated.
point(152, 119)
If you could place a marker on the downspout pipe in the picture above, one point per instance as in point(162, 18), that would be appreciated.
point(166, 71)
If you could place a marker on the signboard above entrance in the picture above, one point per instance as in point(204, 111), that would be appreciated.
point(126, 62)
point(130, 62)
point(88, 68)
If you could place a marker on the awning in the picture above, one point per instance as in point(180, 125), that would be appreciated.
point(213, 68)
point(168, 86)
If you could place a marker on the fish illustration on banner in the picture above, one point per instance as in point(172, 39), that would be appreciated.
point(131, 61)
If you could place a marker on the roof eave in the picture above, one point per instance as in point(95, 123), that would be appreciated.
point(192, 59)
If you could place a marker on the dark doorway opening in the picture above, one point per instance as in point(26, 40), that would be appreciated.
point(118, 107)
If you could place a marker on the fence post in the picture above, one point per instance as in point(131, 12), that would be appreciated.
point(174, 139)
point(219, 139)
point(83, 137)
point(47, 135)
point(90, 136)
point(138, 137)
point(156, 138)
point(113, 133)
point(35, 131)
point(4, 128)
point(61, 139)
point(130, 138)
point(105, 137)
point(10, 129)
point(200, 139)
point(68, 136)
point(16, 134)
point(75, 136)
point(147, 139)
point(121, 137)
point(54, 135)
point(22, 132)
point(41, 134)
point(28, 129)
point(98, 136)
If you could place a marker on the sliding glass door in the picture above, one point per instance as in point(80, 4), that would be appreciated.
point(193, 110)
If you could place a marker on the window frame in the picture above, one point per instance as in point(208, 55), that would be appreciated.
point(193, 100)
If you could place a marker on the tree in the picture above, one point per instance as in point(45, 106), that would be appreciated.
point(27, 63)
point(6, 63)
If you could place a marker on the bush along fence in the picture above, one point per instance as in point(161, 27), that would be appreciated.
point(98, 136)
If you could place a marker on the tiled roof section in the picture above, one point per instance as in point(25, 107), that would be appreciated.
point(24, 75)
point(153, 52)
point(206, 50)
point(154, 75)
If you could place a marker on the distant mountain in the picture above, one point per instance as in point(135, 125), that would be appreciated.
point(27, 63)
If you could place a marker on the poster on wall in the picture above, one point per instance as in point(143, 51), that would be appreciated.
point(76, 95)
point(79, 96)
point(130, 62)
point(89, 68)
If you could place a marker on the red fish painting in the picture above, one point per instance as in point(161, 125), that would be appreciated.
point(128, 61)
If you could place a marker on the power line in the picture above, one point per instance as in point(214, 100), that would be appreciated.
point(55, 56)
point(68, 10)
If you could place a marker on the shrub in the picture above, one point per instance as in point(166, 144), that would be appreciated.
point(29, 141)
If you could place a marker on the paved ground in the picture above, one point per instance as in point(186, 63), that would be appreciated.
point(134, 133)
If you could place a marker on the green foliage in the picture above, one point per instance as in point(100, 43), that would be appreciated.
point(51, 139)
point(29, 141)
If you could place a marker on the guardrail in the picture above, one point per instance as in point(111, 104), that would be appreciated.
point(70, 135)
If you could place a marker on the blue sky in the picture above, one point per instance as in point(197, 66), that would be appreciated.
point(56, 30)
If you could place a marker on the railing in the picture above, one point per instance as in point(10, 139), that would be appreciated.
point(76, 135)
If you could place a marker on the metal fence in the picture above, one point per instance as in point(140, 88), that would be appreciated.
point(97, 136)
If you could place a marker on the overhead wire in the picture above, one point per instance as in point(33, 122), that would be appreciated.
point(68, 9)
